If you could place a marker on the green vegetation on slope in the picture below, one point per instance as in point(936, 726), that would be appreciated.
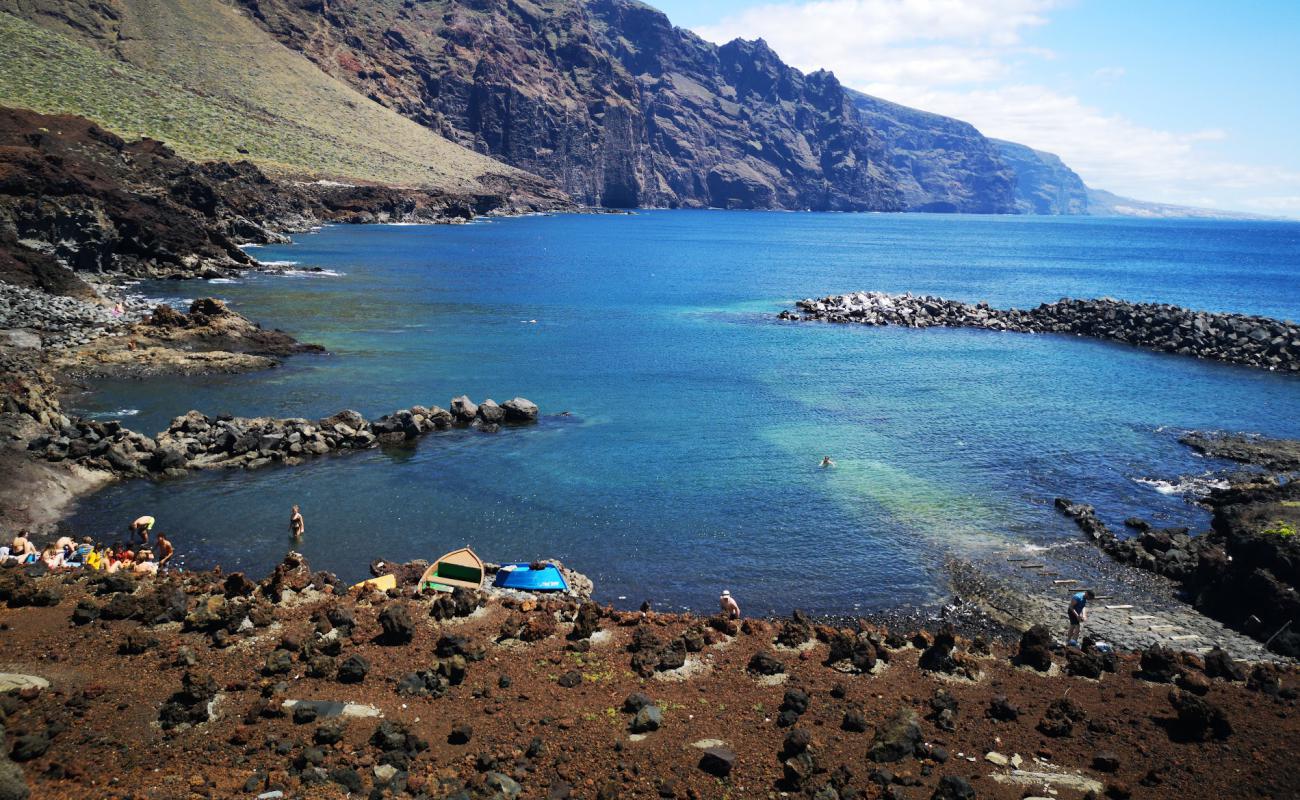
point(213, 85)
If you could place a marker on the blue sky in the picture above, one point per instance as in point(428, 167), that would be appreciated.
point(1189, 102)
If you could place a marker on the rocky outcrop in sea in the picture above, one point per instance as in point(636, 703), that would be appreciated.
point(1235, 338)
point(196, 441)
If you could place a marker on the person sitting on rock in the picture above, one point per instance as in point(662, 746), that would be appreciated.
point(141, 528)
point(52, 557)
point(23, 549)
point(1077, 613)
point(124, 562)
point(730, 608)
point(144, 563)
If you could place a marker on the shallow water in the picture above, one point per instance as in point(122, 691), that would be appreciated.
point(690, 463)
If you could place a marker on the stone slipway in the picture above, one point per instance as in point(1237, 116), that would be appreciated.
point(1133, 609)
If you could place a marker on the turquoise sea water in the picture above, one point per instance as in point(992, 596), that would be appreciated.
point(690, 463)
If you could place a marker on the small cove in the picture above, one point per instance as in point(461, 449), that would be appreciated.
point(690, 461)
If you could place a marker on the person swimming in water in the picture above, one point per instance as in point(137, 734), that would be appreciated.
point(826, 461)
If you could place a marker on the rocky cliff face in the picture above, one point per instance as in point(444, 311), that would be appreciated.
point(605, 97)
point(942, 164)
point(1044, 184)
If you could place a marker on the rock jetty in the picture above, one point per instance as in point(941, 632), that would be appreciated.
point(196, 441)
point(1235, 338)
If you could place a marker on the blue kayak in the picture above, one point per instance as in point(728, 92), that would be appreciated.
point(526, 579)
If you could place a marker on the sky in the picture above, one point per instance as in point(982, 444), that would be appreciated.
point(1192, 102)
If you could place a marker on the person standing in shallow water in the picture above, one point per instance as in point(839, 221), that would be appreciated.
point(730, 608)
point(1077, 614)
point(165, 550)
point(141, 528)
point(297, 526)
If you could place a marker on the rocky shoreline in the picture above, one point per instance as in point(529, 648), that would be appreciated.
point(211, 685)
point(1252, 341)
point(1244, 571)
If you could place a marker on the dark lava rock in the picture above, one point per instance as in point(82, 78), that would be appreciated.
point(1199, 719)
point(343, 618)
point(397, 626)
point(765, 663)
point(796, 630)
point(938, 656)
point(953, 787)
point(1159, 664)
point(304, 713)
point(278, 662)
point(796, 741)
point(855, 721)
point(136, 642)
point(795, 700)
point(1002, 710)
point(353, 669)
point(1218, 664)
point(460, 734)
point(855, 648)
point(348, 778)
point(86, 612)
point(329, 733)
point(1060, 718)
point(587, 621)
point(1105, 761)
point(718, 761)
point(1084, 664)
point(189, 706)
point(635, 702)
point(570, 679)
point(1194, 682)
point(647, 719)
point(897, 737)
point(799, 769)
point(1035, 648)
point(31, 746)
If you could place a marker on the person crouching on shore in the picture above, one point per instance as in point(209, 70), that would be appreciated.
point(730, 608)
point(1077, 614)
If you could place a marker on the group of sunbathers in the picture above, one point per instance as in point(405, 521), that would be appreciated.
point(67, 553)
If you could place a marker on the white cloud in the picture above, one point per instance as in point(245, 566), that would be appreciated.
point(969, 59)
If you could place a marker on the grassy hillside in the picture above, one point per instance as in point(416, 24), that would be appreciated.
point(201, 76)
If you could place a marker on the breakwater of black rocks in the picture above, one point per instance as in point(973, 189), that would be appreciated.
point(196, 441)
point(1254, 341)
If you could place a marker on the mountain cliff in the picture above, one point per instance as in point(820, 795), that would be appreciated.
point(605, 97)
point(942, 164)
point(1044, 184)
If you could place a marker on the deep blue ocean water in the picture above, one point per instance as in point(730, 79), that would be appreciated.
point(690, 462)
